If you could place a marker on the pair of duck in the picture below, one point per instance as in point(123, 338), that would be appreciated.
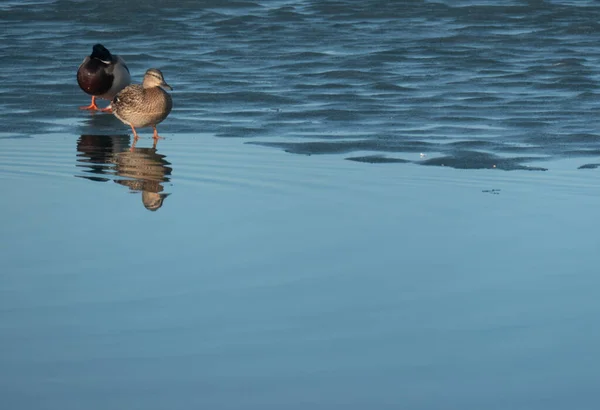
point(104, 75)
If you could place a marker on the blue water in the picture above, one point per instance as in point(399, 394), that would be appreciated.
point(356, 205)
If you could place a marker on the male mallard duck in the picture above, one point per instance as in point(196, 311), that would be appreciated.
point(144, 105)
point(102, 75)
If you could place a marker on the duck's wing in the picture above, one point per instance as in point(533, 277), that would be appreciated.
point(122, 62)
point(129, 96)
point(117, 64)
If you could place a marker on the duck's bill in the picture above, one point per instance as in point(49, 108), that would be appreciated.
point(165, 85)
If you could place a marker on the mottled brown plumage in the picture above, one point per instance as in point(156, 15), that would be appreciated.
point(144, 105)
point(143, 169)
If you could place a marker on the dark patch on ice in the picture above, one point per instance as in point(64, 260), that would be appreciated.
point(377, 159)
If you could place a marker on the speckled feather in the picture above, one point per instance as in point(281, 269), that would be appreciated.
point(144, 105)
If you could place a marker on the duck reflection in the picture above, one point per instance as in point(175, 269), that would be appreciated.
point(110, 157)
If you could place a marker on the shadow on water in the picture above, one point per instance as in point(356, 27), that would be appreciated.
point(93, 122)
point(112, 158)
point(459, 155)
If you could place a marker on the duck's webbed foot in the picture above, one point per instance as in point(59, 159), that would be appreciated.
point(91, 107)
point(156, 136)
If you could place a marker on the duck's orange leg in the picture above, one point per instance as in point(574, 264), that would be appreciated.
point(92, 106)
point(135, 136)
point(156, 136)
point(133, 145)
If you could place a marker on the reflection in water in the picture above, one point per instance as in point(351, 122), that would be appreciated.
point(109, 157)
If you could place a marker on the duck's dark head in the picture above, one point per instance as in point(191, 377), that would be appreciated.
point(101, 53)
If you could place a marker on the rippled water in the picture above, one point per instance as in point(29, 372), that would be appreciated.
point(269, 280)
point(474, 83)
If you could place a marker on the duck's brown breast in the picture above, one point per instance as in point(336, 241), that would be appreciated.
point(93, 78)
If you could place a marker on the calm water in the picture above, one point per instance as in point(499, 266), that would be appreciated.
point(222, 270)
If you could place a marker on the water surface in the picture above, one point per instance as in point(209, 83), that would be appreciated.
point(356, 205)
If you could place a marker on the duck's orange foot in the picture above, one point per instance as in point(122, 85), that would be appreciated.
point(156, 136)
point(107, 109)
point(92, 106)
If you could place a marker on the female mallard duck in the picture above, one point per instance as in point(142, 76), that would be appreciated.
point(144, 105)
point(102, 75)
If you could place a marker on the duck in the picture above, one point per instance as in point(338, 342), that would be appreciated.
point(102, 75)
point(144, 170)
point(144, 105)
